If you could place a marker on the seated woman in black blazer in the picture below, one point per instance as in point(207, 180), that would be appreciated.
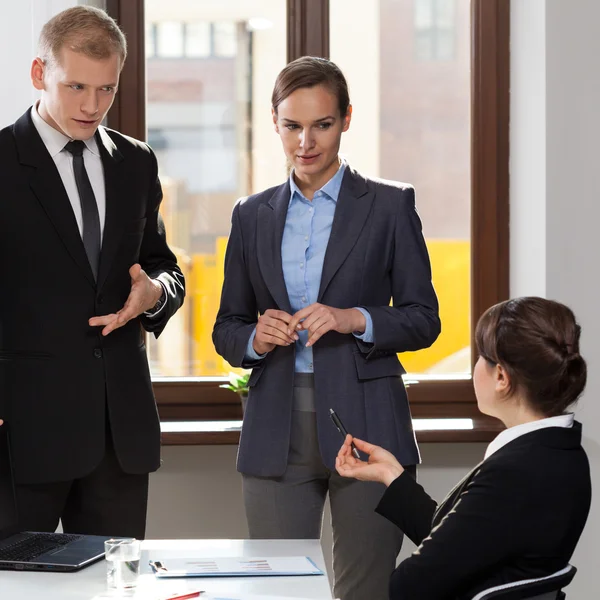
point(519, 513)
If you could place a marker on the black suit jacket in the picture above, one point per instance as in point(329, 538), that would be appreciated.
point(375, 252)
point(58, 376)
point(517, 515)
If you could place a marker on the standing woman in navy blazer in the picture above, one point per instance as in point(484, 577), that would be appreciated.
point(310, 269)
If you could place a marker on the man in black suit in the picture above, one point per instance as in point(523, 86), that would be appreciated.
point(84, 263)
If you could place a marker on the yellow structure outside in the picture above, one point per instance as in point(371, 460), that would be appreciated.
point(451, 277)
point(451, 274)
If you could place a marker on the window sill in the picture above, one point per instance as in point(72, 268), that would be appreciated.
point(206, 433)
point(200, 401)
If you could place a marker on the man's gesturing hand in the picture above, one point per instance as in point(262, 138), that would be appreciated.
point(318, 319)
point(272, 330)
point(145, 293)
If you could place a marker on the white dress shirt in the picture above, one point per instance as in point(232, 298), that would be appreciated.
point(55, 141)
point(512, 433)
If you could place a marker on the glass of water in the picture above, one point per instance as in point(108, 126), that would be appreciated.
point(122, 562)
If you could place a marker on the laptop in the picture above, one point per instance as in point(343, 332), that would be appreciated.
point(32, 551)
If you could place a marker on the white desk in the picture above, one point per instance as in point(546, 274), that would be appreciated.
point(90, 583)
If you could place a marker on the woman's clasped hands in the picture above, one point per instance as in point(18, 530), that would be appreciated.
point(278, 328)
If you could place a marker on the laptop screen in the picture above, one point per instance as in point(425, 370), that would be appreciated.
point(8, 506)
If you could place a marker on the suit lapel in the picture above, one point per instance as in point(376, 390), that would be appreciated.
point(271, 223)
point(46, 184)
point(449, 501)
point(353, 207)
point(113, 225)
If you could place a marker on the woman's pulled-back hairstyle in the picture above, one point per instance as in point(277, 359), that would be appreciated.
point(307, 72)
point(537, 342)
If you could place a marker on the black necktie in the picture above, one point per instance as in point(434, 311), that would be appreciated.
point(89, 208)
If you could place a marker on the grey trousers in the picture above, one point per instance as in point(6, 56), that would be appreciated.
point(365, 545)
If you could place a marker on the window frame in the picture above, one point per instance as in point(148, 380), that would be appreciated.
point(308, 34)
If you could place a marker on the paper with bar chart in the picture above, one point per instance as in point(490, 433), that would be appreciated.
point(235, 567)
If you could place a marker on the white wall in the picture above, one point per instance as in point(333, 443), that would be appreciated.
point(17, 48)
point(20, 24)
point(555, 214)
point(528, 149)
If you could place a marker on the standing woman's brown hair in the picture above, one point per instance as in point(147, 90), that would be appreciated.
point(537, 342)
point(307, 72)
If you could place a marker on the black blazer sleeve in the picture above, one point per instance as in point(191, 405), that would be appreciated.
point(484, 527)
point(406, 504)
point(412, 322)
point(157, 259)
point(238, 312)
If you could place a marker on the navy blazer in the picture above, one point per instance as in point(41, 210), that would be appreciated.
point(376, 252)
point(517, 515)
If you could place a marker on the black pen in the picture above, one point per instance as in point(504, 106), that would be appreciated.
point(340, 427)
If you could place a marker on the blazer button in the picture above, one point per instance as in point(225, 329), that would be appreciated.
point(97, 353)
point(100, 299)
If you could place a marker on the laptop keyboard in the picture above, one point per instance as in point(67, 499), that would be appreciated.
point(35, 545)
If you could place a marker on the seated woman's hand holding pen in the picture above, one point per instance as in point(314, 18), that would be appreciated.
point(382, 465)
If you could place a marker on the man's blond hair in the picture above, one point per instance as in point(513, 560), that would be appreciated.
point(85, 30)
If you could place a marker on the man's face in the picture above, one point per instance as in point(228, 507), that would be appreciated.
point(77, 91)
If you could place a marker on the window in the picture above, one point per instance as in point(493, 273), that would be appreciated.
point(150, 40)
point(435, 22)
point(225, 39)
point(198, 39)
point(412, 122)
point(189, 39)
point(226, 105)
point(210, 127)
point(169, 39)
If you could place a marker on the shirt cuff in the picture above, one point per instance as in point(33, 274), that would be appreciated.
point(153, 314)
point(367, 336)
point(251, 353)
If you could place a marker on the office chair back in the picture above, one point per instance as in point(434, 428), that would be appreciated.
point(545, 588)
